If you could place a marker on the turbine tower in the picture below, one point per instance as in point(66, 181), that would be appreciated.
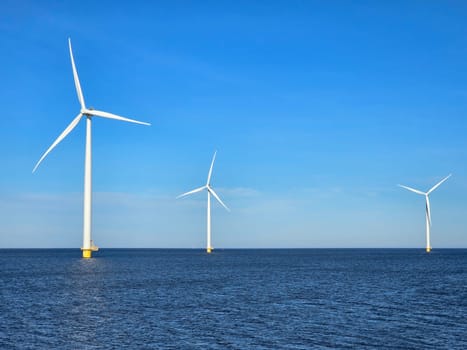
point(210, 192)
point(427, 209)
point(88, 113)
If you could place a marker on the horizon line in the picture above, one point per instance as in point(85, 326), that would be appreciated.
point(244, 248)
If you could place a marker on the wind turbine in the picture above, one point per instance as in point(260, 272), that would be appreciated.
point(210, 191)
point(88, 113)
point(428, 211)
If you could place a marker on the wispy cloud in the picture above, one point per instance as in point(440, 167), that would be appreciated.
point(300, 218)
point(239, 191)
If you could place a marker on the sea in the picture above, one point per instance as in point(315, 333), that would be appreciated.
point(233, 299)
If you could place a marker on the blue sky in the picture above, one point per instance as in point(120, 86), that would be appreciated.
point(317, 109)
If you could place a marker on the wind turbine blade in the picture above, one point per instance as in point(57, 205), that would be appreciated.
point(217, 197)
point(428, 211)
point(65, 132)
point(438, 184)
point(75, 76)
point(113, 116)
point(210, 169)
point(191, 192)
point(412, 189)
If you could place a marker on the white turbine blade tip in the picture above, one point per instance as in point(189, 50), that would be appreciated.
point(64, 134)
point(412, 189)
point(79, 91)
point(37, 164)
point(218, 199)
point(191, 192)
point(439, 184)
point(428, 210)
point(210, 168)
point(114, 116)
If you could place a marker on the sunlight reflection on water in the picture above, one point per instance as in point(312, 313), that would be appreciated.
point(233, 299)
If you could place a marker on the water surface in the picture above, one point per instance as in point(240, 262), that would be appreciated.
point(233, 299)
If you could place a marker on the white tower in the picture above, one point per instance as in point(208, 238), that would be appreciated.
point(427, 208)
point(210, 192)
point(88, 246)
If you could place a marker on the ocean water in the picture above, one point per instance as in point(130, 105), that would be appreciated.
point(234, 299)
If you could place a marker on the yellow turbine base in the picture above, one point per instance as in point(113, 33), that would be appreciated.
point(87, 253)
point(209, 250)
point(428, 250)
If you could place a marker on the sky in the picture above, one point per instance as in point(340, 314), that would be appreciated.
point(317, 109)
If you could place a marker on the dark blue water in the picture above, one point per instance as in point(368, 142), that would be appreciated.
point(233, 299)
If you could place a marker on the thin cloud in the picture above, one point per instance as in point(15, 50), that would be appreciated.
point(239, 191)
